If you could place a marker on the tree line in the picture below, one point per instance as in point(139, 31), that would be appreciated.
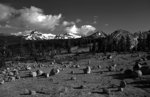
point(41, 48)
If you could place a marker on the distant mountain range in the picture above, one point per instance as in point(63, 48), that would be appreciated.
point(35, 35)
point(116, 35)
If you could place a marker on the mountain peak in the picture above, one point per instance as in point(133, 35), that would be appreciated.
point(36, 35)
point(120, 33)
point(98, 34)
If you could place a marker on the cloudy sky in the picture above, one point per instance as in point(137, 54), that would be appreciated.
point(76, 16)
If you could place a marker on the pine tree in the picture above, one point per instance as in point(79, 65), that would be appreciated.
point(128, 43)
point(68, 45)
point(3, 55)
point(140, 43)
point(148, 41)
point(114, 47)
point(121, 44)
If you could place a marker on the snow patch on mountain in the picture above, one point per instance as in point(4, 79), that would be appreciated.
point(35, 35)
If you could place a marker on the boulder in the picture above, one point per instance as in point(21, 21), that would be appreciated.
point(32, 92)
point(2, 81)
point(137, 66)
point(28, 68)
point(123, 84)
point(73, 78)
point(10, 73)
point(54, 71)
point(87, 70)
point(137, 73)
point(99, 66)
point(12, 78)
point(39, 72)
point(18, 77)
point(15, 71)
point(33, 74)
point(77, 66)
point(109, 57)
point(46, 75)
point(72, 72)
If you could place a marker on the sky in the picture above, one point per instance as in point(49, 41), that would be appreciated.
point(75, 16)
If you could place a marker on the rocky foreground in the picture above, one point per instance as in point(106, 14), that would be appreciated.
point(83, 75)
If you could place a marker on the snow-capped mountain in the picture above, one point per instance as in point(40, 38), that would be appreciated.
point(35, 35)
point(67, 36)
point(40, 36)
point(71, 35)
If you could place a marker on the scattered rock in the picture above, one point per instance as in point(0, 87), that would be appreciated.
point(72, 72)
point(73, 78)
point(32, 92)
point(77, 66)
point(121, 89)
point(109, 57)
point(18, 77)
point(4, 72)
point(28, 68)
point(33, 74)
point(39, 72)
point(137, 66)
point(52, 63)
point(54, 71)
point(10, 73)
point(87, 70)
point(2, 82)
point(99, 66)
point(8, 69)
point(137, 73)
point(112, 67)
point(46, 75)
point(12, 78)
point(15, 71)
point(122, 85)
point(26, 92)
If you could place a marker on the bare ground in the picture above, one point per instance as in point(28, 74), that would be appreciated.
point(78, 84)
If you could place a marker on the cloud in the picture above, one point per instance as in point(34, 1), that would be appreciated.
point(78, 20)
point(35, 18)
point(95, 20)
point(32, 17)
point(7, 26)
point(6, 12)
point(83, 30)
point(106, 24)
point(66, 23)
